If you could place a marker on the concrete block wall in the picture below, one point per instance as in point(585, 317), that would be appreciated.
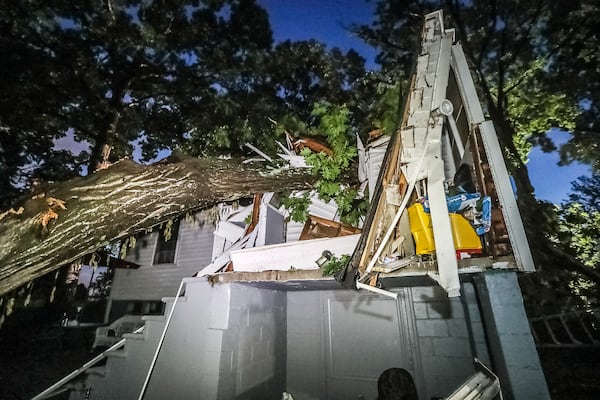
point(512, 347)
point(237, 341)
point(449, 334)
point(181, 366)
point(339, 342)
point(253, 363)
point(433, 337)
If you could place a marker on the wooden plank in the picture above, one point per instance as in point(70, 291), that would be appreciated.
point(512, 216)
point(444, 244)
point(466, 86)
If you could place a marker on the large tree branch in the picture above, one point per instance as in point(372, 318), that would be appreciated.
point(118, 202)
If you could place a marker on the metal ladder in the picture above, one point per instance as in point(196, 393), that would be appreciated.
point(571, 329)
point(482, 385)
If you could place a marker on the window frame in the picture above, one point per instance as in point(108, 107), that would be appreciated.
point(158, 256)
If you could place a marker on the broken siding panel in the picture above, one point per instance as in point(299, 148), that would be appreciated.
point(317, 208)
point(375, 156)
point(322, 209)
point(225, 235)
point(275, 229)
point(444, 246)
point(220, 245)
point(432, 78)
point(466, 85)
point(152, 282)
point(271, 225)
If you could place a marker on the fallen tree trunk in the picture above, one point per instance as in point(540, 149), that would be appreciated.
point(74, 218)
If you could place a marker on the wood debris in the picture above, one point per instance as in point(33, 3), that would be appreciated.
point(54, 202)
point(313, 144)
point(46, 217)
point(50, 214)
point(19, 211)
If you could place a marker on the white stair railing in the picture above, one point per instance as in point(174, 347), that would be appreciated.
point(52, 390)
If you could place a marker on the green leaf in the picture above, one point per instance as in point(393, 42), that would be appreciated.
point(335, 265)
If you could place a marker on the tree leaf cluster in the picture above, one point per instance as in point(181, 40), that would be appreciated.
point(334, 179)
point(580, 220)
point(573, 228)
point(335, 265)
point(533, 111)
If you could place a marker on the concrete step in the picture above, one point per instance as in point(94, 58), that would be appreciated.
point(188, 288)
point(134, 336)
point(153, 328)
point(169, 301)
point(116, 354)
point(154, 318)
point(99, 371)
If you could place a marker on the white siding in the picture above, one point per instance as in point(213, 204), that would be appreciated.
point(152, 282)
point(293, 231)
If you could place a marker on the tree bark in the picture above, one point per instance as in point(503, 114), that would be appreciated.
point(118, 202)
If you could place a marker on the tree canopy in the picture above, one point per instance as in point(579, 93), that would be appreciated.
point(535, 66)
point(201, 76)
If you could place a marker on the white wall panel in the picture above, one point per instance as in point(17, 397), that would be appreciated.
point(340, 341)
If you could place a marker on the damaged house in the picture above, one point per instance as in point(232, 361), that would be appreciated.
point(229, 235)
point(431, 284)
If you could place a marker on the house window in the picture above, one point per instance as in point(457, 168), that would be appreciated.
point(135, 307)
point(165, 248)
point(156, 307)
